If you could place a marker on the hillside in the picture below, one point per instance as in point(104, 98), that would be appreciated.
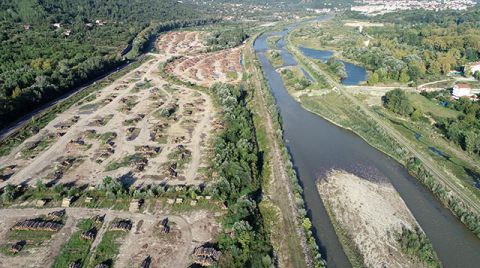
point(48, 47)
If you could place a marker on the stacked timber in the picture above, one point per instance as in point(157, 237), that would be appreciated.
point(38, 225)
point(122, 225)
point(206, 256)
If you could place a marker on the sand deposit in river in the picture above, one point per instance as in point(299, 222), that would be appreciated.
point(370, 214)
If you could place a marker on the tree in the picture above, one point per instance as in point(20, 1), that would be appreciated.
point(373, 79)
point(477, 75)
point(416, 115)
point(404, 77)
point(467, 72)
point(397, 101)
point(9, 192)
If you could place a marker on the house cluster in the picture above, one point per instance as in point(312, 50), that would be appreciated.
point(473, 68)
point(377, 7)
point(57, 26)
point(465, 90)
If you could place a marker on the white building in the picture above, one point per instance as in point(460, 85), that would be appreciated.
point(475, 67)
point(461, 90)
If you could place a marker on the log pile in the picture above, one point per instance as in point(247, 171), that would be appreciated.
point(17, 247)
point(98, 219)
point(146, 262)
point(56, 215)
point(74, 265)
point(148, 151)
point(89, 234)
point(38, 225)
point(122, 225)
point(164, 226)
point(206, 256)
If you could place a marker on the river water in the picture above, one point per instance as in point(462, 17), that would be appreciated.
point(317, 147)
point(355, 74)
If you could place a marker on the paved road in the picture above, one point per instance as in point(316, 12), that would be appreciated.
point(17, 125)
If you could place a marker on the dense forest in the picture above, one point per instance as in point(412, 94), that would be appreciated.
point(245, 244)
point(48, 47)
point(419, 45)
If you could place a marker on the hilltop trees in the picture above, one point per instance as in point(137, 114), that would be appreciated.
point(39, 61)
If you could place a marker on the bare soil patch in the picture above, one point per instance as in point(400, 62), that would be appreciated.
point(181, 43)
point(206, 69)
point(140, 110)
point(369, 213)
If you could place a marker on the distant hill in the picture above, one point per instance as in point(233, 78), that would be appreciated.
point(39, 11)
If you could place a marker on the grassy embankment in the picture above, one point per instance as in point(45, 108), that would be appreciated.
point(284, 225)
point(273, 54)
point(425, 137)
point(76, 249)
point(108, 248)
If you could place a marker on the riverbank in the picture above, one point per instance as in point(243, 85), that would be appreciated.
point(283, 207)
point(369, 216)
point(462, 203)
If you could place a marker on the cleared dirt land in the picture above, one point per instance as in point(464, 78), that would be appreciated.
point(181, 43)
point(206, 69)
point(370, 214)
point(145, 238)
point(141, 126)
point(142, 129)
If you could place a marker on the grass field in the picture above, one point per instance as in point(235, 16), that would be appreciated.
point(338, 109)
point(425, 138)
point(107, 249)
point(429, 107)
point(272, 41)
point(76, 249)
point(295, 80)
point(274, 57)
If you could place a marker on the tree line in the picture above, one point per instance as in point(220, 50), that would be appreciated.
point(244, 242)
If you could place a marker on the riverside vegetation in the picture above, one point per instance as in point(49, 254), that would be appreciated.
point(296, 187)
point(336, 108)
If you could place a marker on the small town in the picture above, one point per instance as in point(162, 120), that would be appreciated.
point(377, 7)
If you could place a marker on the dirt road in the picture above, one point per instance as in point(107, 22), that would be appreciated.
point(292, 248)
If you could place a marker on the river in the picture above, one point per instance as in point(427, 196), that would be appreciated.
point(317, 147)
